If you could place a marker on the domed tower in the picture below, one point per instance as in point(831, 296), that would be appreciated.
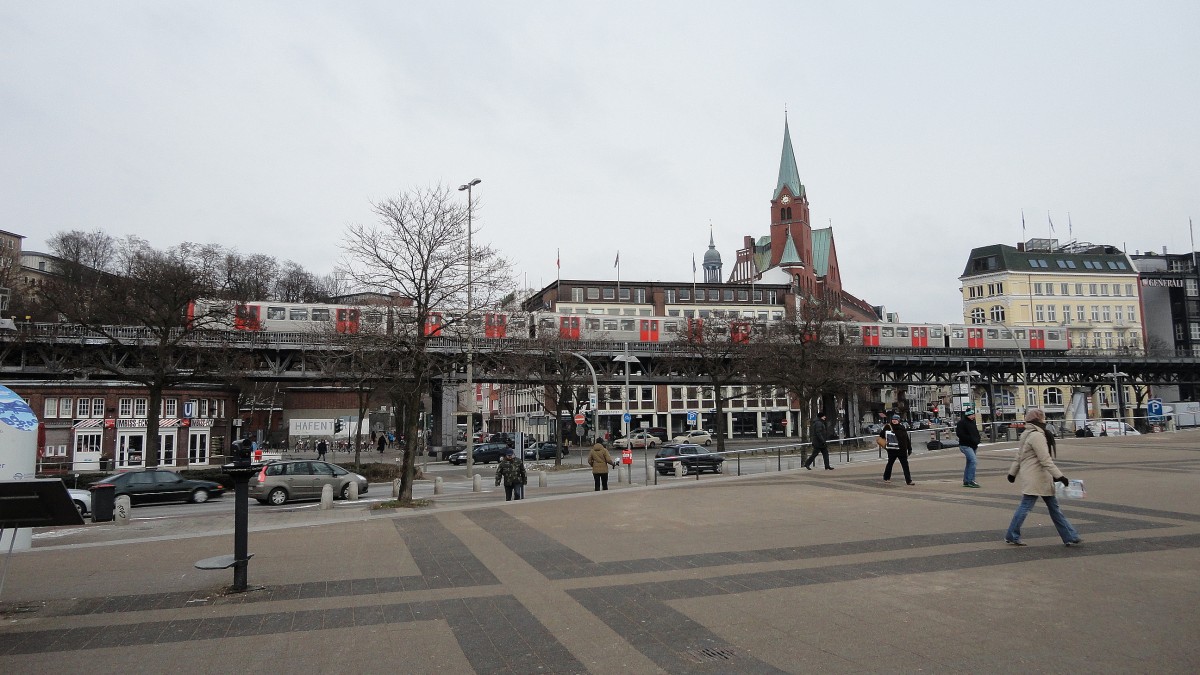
point(712, 262)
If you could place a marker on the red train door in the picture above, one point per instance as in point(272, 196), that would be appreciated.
point(1037, 338)
point(568, 328)
point(246, 317)
point(870, 336)
point(347, 320)
point(649, 330)
point(695, 330)
point(433, 324)
point(739, 332)
point(495, 325)
point(974, 338)
point(920, 336)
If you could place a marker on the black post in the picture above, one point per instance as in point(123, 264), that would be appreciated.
point(241, 526)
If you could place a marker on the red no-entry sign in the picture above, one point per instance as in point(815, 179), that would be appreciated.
point(580, 419)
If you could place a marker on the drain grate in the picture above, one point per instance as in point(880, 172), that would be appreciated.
point(710, 654)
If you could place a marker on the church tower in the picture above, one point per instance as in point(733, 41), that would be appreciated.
point(712, 262)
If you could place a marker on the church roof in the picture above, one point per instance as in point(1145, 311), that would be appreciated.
point(822, 242)
point(790, 257)
point(789, 175)
point(712, 255)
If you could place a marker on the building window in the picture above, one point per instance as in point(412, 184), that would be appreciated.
point(576, 295)
point(1091, 289)
point(977, 315)
point(1095, 312)
point(610, 294)
point(685, 294)
point(1108, 340)
point(641, 296)
point(1107, 310)
point(593, 294)
point(670, 297)
point(1051, 313)
point(1079, 315)
point(1195, 330)
point(98, 407)
point(83, 407)
point(1052, 396)
point(51, 408)
point(170, 407)
point(1037, 289)
point(139, 407)
point(1190, 285)
point(997, 313)
point(1039, 313)
point(1117, 290)
point(729, 295)
point(1104, 289)
point(1078, 289)
point(125, 407)
point(1129, 313)
point(1120, 315)
point(758, 296)
point(1129, 290)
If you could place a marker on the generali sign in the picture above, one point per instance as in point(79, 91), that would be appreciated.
point(1169, 283)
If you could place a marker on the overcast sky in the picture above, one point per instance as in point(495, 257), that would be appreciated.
point(921, 129)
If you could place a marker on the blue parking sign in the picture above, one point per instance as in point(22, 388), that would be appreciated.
point(691, 415)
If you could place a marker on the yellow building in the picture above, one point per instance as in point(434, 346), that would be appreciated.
point(1088, 292)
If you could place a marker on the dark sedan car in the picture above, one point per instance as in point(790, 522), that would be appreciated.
point(547, 450)
point(694, 458)
point(484, 453)
point(155, 486)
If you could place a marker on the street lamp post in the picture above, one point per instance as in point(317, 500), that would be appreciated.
point(470, 339)
point(628, 359)
point(595, 387)
point(1116, 376)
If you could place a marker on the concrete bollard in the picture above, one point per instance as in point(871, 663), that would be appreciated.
point(541, 479)
point(121, 510)
point(352, 493)
point(476, 483)
point(649, 476)
point(396, 489)
point(326, 497)
point(437, 485)
point(679, 469)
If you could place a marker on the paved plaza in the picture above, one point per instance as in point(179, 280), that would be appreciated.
point(786, 572)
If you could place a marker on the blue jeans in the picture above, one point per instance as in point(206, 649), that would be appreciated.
point(969, 472)
point(1061, 523)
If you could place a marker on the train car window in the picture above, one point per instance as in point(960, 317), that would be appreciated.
point(956, 333)
point(591, 324)
point(902, 332)
point(547, 322)
point(936, 332)
point(670, 326)
point(298, 315)
point(1019, 334)
point(321, 314)
point(777, 316)
point(626, 324)
point(517, 323)
point(373, 317)
point(277, 313)
point(854, 331)
point(1053, 335)
point(475, 321)
point(888, 331)
point(992, 333)
point(610, 324)
point(1005, 334)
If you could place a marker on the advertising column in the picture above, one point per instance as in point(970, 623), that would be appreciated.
point(18, 453)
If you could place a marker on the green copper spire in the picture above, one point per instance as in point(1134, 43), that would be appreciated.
point(788, 174)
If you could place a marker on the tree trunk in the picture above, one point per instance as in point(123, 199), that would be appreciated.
point(154, 404)
point(409, 430)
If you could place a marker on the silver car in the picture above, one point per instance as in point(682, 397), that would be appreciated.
point(280, 482)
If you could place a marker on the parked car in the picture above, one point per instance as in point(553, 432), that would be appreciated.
point(82, 500)
point(640, 439)
point(281, 482)
point(693, 457)
point(546, 450)
point(155, 486)
point(482, 454)
point(660, 433)
point(510, 439)
point(698, 436)
point(1112, 428)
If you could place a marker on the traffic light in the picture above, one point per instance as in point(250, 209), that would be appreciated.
point(337, 426)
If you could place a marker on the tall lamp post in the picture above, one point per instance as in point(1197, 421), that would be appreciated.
point(470, 338)
point(595, 388)
point(1116, 376)
point(628, 358)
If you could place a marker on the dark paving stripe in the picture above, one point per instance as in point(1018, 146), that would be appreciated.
point(556, 561)
point(444, 560)
point(499, 635)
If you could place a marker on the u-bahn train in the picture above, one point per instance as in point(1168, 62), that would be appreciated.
point(282, 317)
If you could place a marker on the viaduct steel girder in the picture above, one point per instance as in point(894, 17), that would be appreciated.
point(290, 358)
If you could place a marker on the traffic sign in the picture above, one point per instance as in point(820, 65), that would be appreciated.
point(580, 419)
point(1154, 410)
point(626, 417)
point(691, 415)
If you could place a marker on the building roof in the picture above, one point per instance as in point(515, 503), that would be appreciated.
point(712, 255)
point(788, 174)
point(1003, 258)
point(822, 242)
point(790, 257)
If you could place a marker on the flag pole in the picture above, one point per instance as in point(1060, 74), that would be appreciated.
point(1022, 225)
point(558, 271)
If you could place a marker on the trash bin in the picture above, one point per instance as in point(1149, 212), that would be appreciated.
point(1012, 434)
point(104, 501)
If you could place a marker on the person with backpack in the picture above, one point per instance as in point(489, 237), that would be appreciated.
point(968, 443)
point(898, 446)
point(511, 472)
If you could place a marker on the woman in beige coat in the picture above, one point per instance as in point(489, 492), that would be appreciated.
point(600, 461)
point(1038, 474)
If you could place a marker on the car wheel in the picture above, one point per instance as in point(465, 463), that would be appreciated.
point(717, 469)
point(278, 497)
point(708, 443)
point(200, 496)
point(80, 507)
point(652, 444)
point(687, 470)
point(346, 491)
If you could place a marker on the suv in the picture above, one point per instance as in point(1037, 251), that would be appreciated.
point(482, 454)
point(693, 458)
point(278, 483)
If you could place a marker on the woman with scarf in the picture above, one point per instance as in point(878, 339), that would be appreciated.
point(1038, 474)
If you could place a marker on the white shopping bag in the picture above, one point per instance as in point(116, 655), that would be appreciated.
point(1073, 491)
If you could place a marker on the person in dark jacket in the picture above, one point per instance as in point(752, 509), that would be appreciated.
point(511, 472)
point(968, 443)
point(820, 442)
point(898, 446)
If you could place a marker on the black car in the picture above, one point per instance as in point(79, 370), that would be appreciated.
point(693, 457)
point(155, 486)
point(483, 453)
point(547, 450)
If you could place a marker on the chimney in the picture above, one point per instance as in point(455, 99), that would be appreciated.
point(1021, 246)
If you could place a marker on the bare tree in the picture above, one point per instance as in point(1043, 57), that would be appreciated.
point(548, 364)
point(418, 250)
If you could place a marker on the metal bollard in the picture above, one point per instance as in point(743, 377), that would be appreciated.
point(476, 483)
point(326, 497)
point(437, 485)
point(352, 492)
point(542, 479)
point(121, 510)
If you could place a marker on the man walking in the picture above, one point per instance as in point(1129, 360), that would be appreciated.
point(820, 442)
point(322, 448)
point(511, 472)
point(968, 443)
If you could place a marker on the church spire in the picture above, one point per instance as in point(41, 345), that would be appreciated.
point(788, 174)
point(790, 257)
